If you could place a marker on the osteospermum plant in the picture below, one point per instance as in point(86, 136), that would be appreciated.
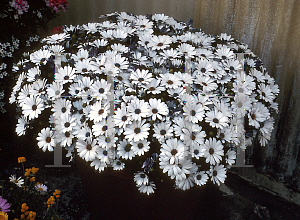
point(147, 89)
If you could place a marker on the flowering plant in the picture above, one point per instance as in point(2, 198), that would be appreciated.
point(146, 87)
point(24, 192)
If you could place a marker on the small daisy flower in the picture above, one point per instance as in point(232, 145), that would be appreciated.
point(99, 111)
point(46, 139)
point(87, 149)
point(21, 126)
point(41, 188)
point(218, 174)
point(194, 112)
point(141, 77)
point(118, 165)
point(216, 119)
point(65, 75)
point(200, 178)
point(55, 90)
point(154, 87)
point(98, 164)
point(230, 157)
point(141, 178)
point(148, 188)
point(224, 53)
point(138, 109)
point(157, 109)
point(170, 80)
point(160, 42)
point(140, 147)
point(125, 150)
point(33, 74)
point(32, 107)
point(162, 131)
point(136, 131)
point(19, 182)
point(40, 57)
point(213, 151)
point(101, 89)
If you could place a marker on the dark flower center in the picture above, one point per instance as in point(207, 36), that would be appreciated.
point(163, 132)
point(240, 104)
point(107, 140)
point(151, 88)
point(141, 79)
point(84, 70)
point(222, 135)
point(117, 65)
point(36, 76)
point(196, 152)
point(241, 90)
point(100, 112)
point(48, 139)
point(215, 173)
point(40, 90)
point(211, 151)
point(231, 68)
point(66, 77)
point(203, 70)
point(86, 88)
point(67, 124)
point(76, 91)
point(104, 128)
point(67, 134)
point(81, 111)
point(105, 152)
point(203, 83)
point(203, 55)
point(101, 90)
point(142, 175)
point(174, 152)
point(263, 94)
point(146, 42)
point(215, 120)
point(224, 57)
point(170, 82)
point(43, 59)
point(143, 26)
point(140, 145)
point(193, 136)
point(253, 116)
point(160, 44)
point(137, 130)
point(199, 177)
point(127, 147)
point(120, 78)
point(124, 118)
point(137, 111)
point(87, 134)
point(101, 66)
point(34, 107)
point(193, 113)
point(154, 110)
point(57, 92)
point(118, 163)
point(89, 147)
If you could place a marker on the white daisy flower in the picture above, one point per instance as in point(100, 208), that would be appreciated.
point(224, 53)
point(65, 75)
point(41, 188)
point(104, 127)
point(173, 151)
point(125, 150)
point(206, 82)
point(101, 89)
point(136, 131)
point(230, 157)
point(148, 188)
point(197, 151)
point(33, 74)
point(32, 107)
point(160, 42)
point(255, 117)
point(99, 111)
point(200, 178)
point(65, 138)
point(205, 67)
point(265, 93)
point(193, 134)
point(118, 165)
point(98, 164)
point(19, 182)
point(141, 178)
point(40, 57)
point(144, 40)
point(140, 147)
point(162, 131)
point(170, 54)
point(218, 174)
point(170, 80)
point(119, 48)
point(194, 112)
point(104, 155)
point(99, 43)
point(216, 119)
point(186, 78)
point(67, 122)
point(21, 126)
point(119, 62)
point(154, 87)
point(157, 109)
point(83, 66)
point(38, 87)
point(81, 54)
point(61, 106)
point(46, 139)
point(186, 183)
point(186, 50)
point(138, 109)
point(121, 116)
point(213, 151)
point(141, 77)
point(87, 149)
point(225, 134)
point(91, 28)
point(55, 90)
point(56, 38)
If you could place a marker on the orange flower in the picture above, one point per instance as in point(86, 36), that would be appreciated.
point(32, 214)
point(24, 207)
point(32, 179)
point(26, 213)
point(57, 191)
point(21, 159)
point(27, 172)
point(34, 170)
point(22, 216)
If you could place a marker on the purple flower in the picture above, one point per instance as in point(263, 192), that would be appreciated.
point(4, 205)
